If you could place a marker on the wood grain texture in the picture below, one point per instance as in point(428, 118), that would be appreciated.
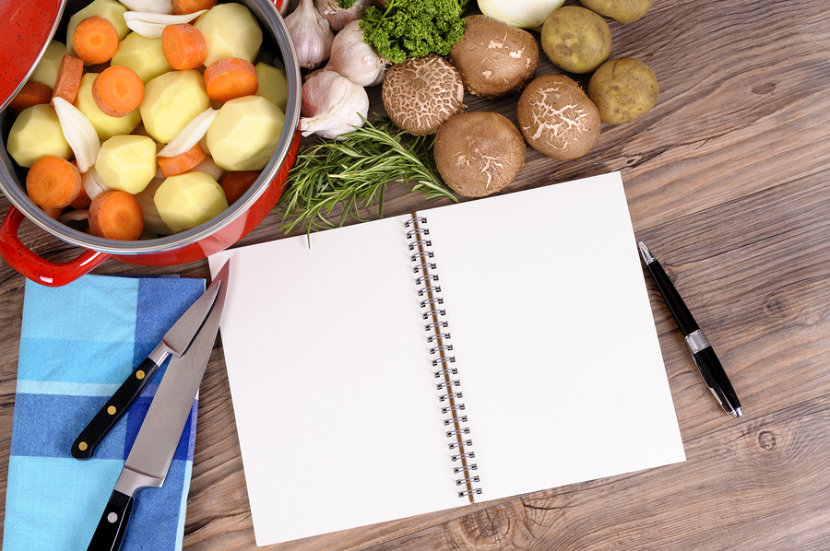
point(727, 180)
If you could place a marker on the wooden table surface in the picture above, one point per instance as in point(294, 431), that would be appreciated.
point(728, 180)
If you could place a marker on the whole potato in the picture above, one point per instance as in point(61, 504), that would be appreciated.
point(624, 11)
point(623, 90)
point(576, 39)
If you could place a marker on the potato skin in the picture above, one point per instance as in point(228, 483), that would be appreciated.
point(624, 11)
point(478, 153)
point(576, 39)
point(623, 90)
point(494, 58)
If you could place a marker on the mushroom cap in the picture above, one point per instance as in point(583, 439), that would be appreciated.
point(478, 153)
point(421, 93)
point(557, 118)
point(494, 58)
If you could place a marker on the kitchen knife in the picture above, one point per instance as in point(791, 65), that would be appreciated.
point(159, 435)
point(175, 342)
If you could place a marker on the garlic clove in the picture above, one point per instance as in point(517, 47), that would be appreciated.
point(311, 34)
point(190, 134)
point(78, 132)
point(332, 105)
point(151, 6)
point(151, 25)
point(93, 184)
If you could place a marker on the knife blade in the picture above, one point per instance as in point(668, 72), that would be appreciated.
point(152, 452)
point(174, 343)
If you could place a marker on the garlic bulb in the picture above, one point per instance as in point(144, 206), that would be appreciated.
point(150, 25)
point(354, 59)
point(332, 105)
point(528, 14)
point(78, 132)
point(310, 33)
point(339, 17)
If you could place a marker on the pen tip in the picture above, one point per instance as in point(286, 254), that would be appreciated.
point(647, 256)
point(737, 413)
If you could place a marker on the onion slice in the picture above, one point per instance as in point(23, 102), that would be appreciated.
point(190, 134)
point(78, 132)
point(151, 25)
point(93, 184)
point(151, 6)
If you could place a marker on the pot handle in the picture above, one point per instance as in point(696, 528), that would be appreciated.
point(34, 267)
point(282, 6)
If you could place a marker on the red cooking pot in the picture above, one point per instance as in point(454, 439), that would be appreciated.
point(26, 28)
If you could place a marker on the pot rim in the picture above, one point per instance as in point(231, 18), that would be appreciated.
point(269, 17)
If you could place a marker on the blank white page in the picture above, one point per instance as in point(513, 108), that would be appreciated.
point(336, 408)
point(554, 339)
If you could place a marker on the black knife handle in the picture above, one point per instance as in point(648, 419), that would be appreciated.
point(113, 523)
point(113, 410)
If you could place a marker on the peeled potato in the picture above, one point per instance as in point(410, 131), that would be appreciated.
point(171, 101)
point(152, 219)
point(105, 125)
point(127, 163)
point(272, 84)
point(143, 55)
point(187, 200)
point(110, 10)
point(230, 30)
point(245, 133)
point(36, 133)
point(47, 69)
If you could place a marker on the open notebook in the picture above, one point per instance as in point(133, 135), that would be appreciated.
point(466, 352)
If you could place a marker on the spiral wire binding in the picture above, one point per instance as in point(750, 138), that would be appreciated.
point(439, 337)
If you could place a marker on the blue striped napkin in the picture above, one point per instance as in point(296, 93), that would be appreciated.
point(77, 345)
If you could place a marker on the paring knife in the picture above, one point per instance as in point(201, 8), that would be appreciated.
point(159, 435)
point(175, 342)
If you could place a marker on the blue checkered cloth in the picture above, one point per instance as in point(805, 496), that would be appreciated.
point(78, 343)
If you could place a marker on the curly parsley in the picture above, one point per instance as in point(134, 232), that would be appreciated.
point(407, 28)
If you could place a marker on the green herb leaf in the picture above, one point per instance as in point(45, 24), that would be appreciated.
point(353, 171)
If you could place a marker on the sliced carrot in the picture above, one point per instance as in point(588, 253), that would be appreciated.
point(184, 46)
point(32, 93)
point(236, 183)
point(181, 7)
point(230, 78)
point(170, 166)
point(53, 212)
point(95, 40)
point(116, 214)
point(117, 91)
point(68, 80)
point(82, 201)
point(53, 182)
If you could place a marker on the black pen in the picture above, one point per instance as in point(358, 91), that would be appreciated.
point(707, 362)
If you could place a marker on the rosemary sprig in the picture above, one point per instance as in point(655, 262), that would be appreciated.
point(353, 172)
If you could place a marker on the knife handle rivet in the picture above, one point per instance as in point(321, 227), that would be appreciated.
point(112, 517)
point(111, 410)
point(139, 374)
point(82, 446)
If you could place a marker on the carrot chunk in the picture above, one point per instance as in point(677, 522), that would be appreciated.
point(170, 166)
point(116, 214)
point(32, 93)
point(181, 7)
point(237, 182)
point(53, 182)
point(68, 80)
point(95, 40)
point(82, 201)
point(184, 46)
point(230, 78)
point(117, 91)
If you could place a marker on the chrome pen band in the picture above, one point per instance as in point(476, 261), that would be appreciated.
point(696, 341)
